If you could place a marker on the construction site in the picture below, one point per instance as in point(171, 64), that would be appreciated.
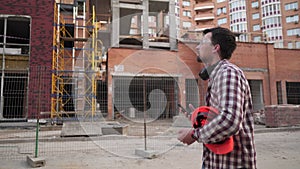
point(70, 63)
point(84, 33)
point(99, 48)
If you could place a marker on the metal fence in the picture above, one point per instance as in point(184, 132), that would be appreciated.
point(144, 110)
point(146, 122)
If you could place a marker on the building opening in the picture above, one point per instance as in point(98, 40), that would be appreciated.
point(293, 92)
point(257, 94)
point(158, 96)
point(14, 95)
point(14, 53)
point(102, 97)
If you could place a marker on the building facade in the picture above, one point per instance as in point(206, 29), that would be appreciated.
point(273, 21)
point(26, 37)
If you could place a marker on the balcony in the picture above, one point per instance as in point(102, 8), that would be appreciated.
point(204, 6)
point(204, 17)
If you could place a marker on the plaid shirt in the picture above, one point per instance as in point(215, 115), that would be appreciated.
point(229, 92)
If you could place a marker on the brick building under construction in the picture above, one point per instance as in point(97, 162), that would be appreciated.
point(87, 57)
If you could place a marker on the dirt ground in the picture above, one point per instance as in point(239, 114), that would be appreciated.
point(274, 150)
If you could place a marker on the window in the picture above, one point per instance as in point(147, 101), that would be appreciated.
point(257, 38)
point(255, 16)
point(80, 8)
point(221, 10)
point(256, 27)
point(274, 34)
point(237, 5)
point(294, 18)
point(298, 45)
point(218, 1)
point(290, 45)
point(291, 6)
point(293, 92)
point(186, 3)
point(292, 32)
point(222, 21)
point(242, 27)
point(272, 22)
point(254, 4)
point(186, 25)
point(17, 40)
point(238, 17)
point(186, 13)
point(224, 11)
point(279, 92)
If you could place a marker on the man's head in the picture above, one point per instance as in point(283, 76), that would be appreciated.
point(217, 43)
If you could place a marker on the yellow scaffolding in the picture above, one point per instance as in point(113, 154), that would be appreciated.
point(82, 97)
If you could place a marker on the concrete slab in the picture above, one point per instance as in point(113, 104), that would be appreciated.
point(76, 129)
point(12, 125)
point(114, 128)
point(150, 154)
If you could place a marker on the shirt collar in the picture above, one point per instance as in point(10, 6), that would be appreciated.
point(212, 70)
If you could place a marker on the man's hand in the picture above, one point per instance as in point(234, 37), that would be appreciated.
point(187, 114)
point(185, 136)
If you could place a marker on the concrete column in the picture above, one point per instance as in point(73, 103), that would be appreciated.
point(145, 24)
point(115, 23)
point(139, 24)
point(159, 24)
point(172, 26)
point(272, 72)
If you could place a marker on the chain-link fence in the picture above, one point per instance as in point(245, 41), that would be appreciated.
point(143, 115)
point(144, 109)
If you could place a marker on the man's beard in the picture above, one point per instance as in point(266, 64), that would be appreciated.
point(199, 59)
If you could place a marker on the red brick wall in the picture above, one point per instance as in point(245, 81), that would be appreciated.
point(282, 115)
point(259, 61)
point(250, 55)
point(287, 64)
point(152, 61)
point(41, 13)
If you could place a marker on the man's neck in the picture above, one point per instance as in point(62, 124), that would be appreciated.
point(212, 66)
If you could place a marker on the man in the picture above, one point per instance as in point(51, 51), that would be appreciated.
point(228, 92)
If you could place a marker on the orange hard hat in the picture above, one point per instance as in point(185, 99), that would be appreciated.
point(202, 116)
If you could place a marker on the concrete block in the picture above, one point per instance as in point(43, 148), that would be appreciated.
point(36, 162)
point(150, 154)
point(120, 129)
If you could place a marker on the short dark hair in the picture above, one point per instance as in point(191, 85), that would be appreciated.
point(225, 38)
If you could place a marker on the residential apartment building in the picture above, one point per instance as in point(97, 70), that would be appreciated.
point(274, 21)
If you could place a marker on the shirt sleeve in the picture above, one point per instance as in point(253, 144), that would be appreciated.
point(227, 95)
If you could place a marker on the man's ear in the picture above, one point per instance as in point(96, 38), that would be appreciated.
point(217, 48)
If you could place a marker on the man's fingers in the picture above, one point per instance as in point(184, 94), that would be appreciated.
point(192, 107)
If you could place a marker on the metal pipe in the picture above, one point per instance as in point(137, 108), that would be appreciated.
point(3, 68)
point(145, 125)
